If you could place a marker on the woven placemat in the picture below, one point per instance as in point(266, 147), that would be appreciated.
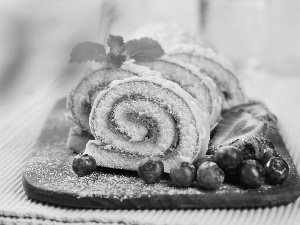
point(20, 128)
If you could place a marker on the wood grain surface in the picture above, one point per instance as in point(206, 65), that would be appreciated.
point(48, 177)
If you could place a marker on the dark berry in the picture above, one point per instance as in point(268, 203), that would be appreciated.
point(84, 164)
point(210, 175)
point(268, 154)
point(228, 157)
point(205, 158)
point(277, 170)
point(253, 148)
point(248, 152)
point(252, 174)
point(150, 170)
point(183, 175)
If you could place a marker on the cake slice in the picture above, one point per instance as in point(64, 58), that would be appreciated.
point(141, 117)
point(215, 66)
point(81, 98)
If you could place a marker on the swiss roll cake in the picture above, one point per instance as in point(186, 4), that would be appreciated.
point(140, 117)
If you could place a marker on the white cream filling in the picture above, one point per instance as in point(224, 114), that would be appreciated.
point(136, 131)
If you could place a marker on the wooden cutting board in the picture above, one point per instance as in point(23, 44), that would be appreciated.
point(48, 177)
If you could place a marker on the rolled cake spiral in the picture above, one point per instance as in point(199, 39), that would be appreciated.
point(81, 98)
point(141, 117)
point(215, 66)
point(201, 87)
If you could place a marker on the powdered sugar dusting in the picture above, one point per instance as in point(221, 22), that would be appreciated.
point(49, 170)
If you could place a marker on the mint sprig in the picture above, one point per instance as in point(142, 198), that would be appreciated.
point(116, 44)
point(115, 60)
point(144, 49)
point(88, 51)
point(141, 50)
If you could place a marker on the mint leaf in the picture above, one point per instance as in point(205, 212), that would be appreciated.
point(88, 51)
point(116, 44)
point(144, 49)
point(115, 61)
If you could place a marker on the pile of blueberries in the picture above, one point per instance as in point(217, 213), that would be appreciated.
point(250, 162)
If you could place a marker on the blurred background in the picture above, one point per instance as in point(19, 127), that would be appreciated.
point(36, 37)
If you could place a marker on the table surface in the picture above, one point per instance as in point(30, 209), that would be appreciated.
point(35, 73)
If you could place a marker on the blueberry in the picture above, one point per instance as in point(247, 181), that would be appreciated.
point(150, 170)
point(183, 175)
point(210, 175)
point(253, 148)
point(277, 170)
point(228, 157)
point(248, 152)
point(268, 154)
point(205, 158)
point(246, 147)
point(252, 174)
point(84, 164)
